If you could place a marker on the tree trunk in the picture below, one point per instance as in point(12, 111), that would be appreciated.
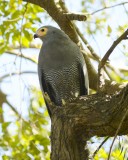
point(66, 144)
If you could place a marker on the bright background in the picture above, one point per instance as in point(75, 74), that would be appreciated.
point(24, 122)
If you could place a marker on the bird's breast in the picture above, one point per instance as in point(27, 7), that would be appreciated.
point(56, 56)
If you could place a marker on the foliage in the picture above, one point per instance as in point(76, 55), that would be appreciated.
point(17, 23)
point(31, 137)
point(28, 137)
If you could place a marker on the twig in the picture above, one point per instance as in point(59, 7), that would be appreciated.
point(125, 10)
point(12, 20)
point(100, 146)
point(17, 73)
point(87, 44)
point(12, 52)
point(75, 16)
point(93, 55)
point(119, 4)
point(124, 70)
point(3, 99)
point(31, 45)
point(21, 32)
point(106, 56)
point(124, 36)
point(14, 110)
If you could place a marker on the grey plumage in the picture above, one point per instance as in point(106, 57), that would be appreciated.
point(61, 66)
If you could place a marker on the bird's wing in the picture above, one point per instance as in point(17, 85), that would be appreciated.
point(46, 88)
point(42, 80)
point(46, 85)
point(84, 82)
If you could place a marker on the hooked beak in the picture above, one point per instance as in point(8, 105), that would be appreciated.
point(35, 36)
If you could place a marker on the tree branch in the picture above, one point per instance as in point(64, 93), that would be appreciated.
point(3, 99)
point(101, 81)
point(124, 36)
point(117, 131)
point(87, 44)
point(107, 111)
point(16, 73)
point(119, 4)
point(75, 16)
point(31, 45)
point(100, 147)
point(85, 117)
point(12, 52)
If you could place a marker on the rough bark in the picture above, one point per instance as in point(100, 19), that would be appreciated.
point(66, 145)
point(93, 115)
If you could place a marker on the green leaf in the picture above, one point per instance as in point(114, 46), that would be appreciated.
point(27, 35)
point(5, 125)
point(25, 42)
point(109, 29)
point(16, 14)
point(3, 49)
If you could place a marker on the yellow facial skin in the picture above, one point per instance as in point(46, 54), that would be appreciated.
point(42, 32)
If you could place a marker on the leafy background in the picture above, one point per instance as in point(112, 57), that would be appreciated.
point(24, 121)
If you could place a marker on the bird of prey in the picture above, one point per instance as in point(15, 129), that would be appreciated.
point(61, 67)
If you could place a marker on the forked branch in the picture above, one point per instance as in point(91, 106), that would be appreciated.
point(101, 82)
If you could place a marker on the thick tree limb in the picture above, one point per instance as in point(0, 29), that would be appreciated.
point(97, 111)
point(93, 115)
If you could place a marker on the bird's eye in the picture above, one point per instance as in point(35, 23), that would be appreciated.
point(42, 29)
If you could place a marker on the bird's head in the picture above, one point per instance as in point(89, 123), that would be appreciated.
point(41, 33)
point(47, 32)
